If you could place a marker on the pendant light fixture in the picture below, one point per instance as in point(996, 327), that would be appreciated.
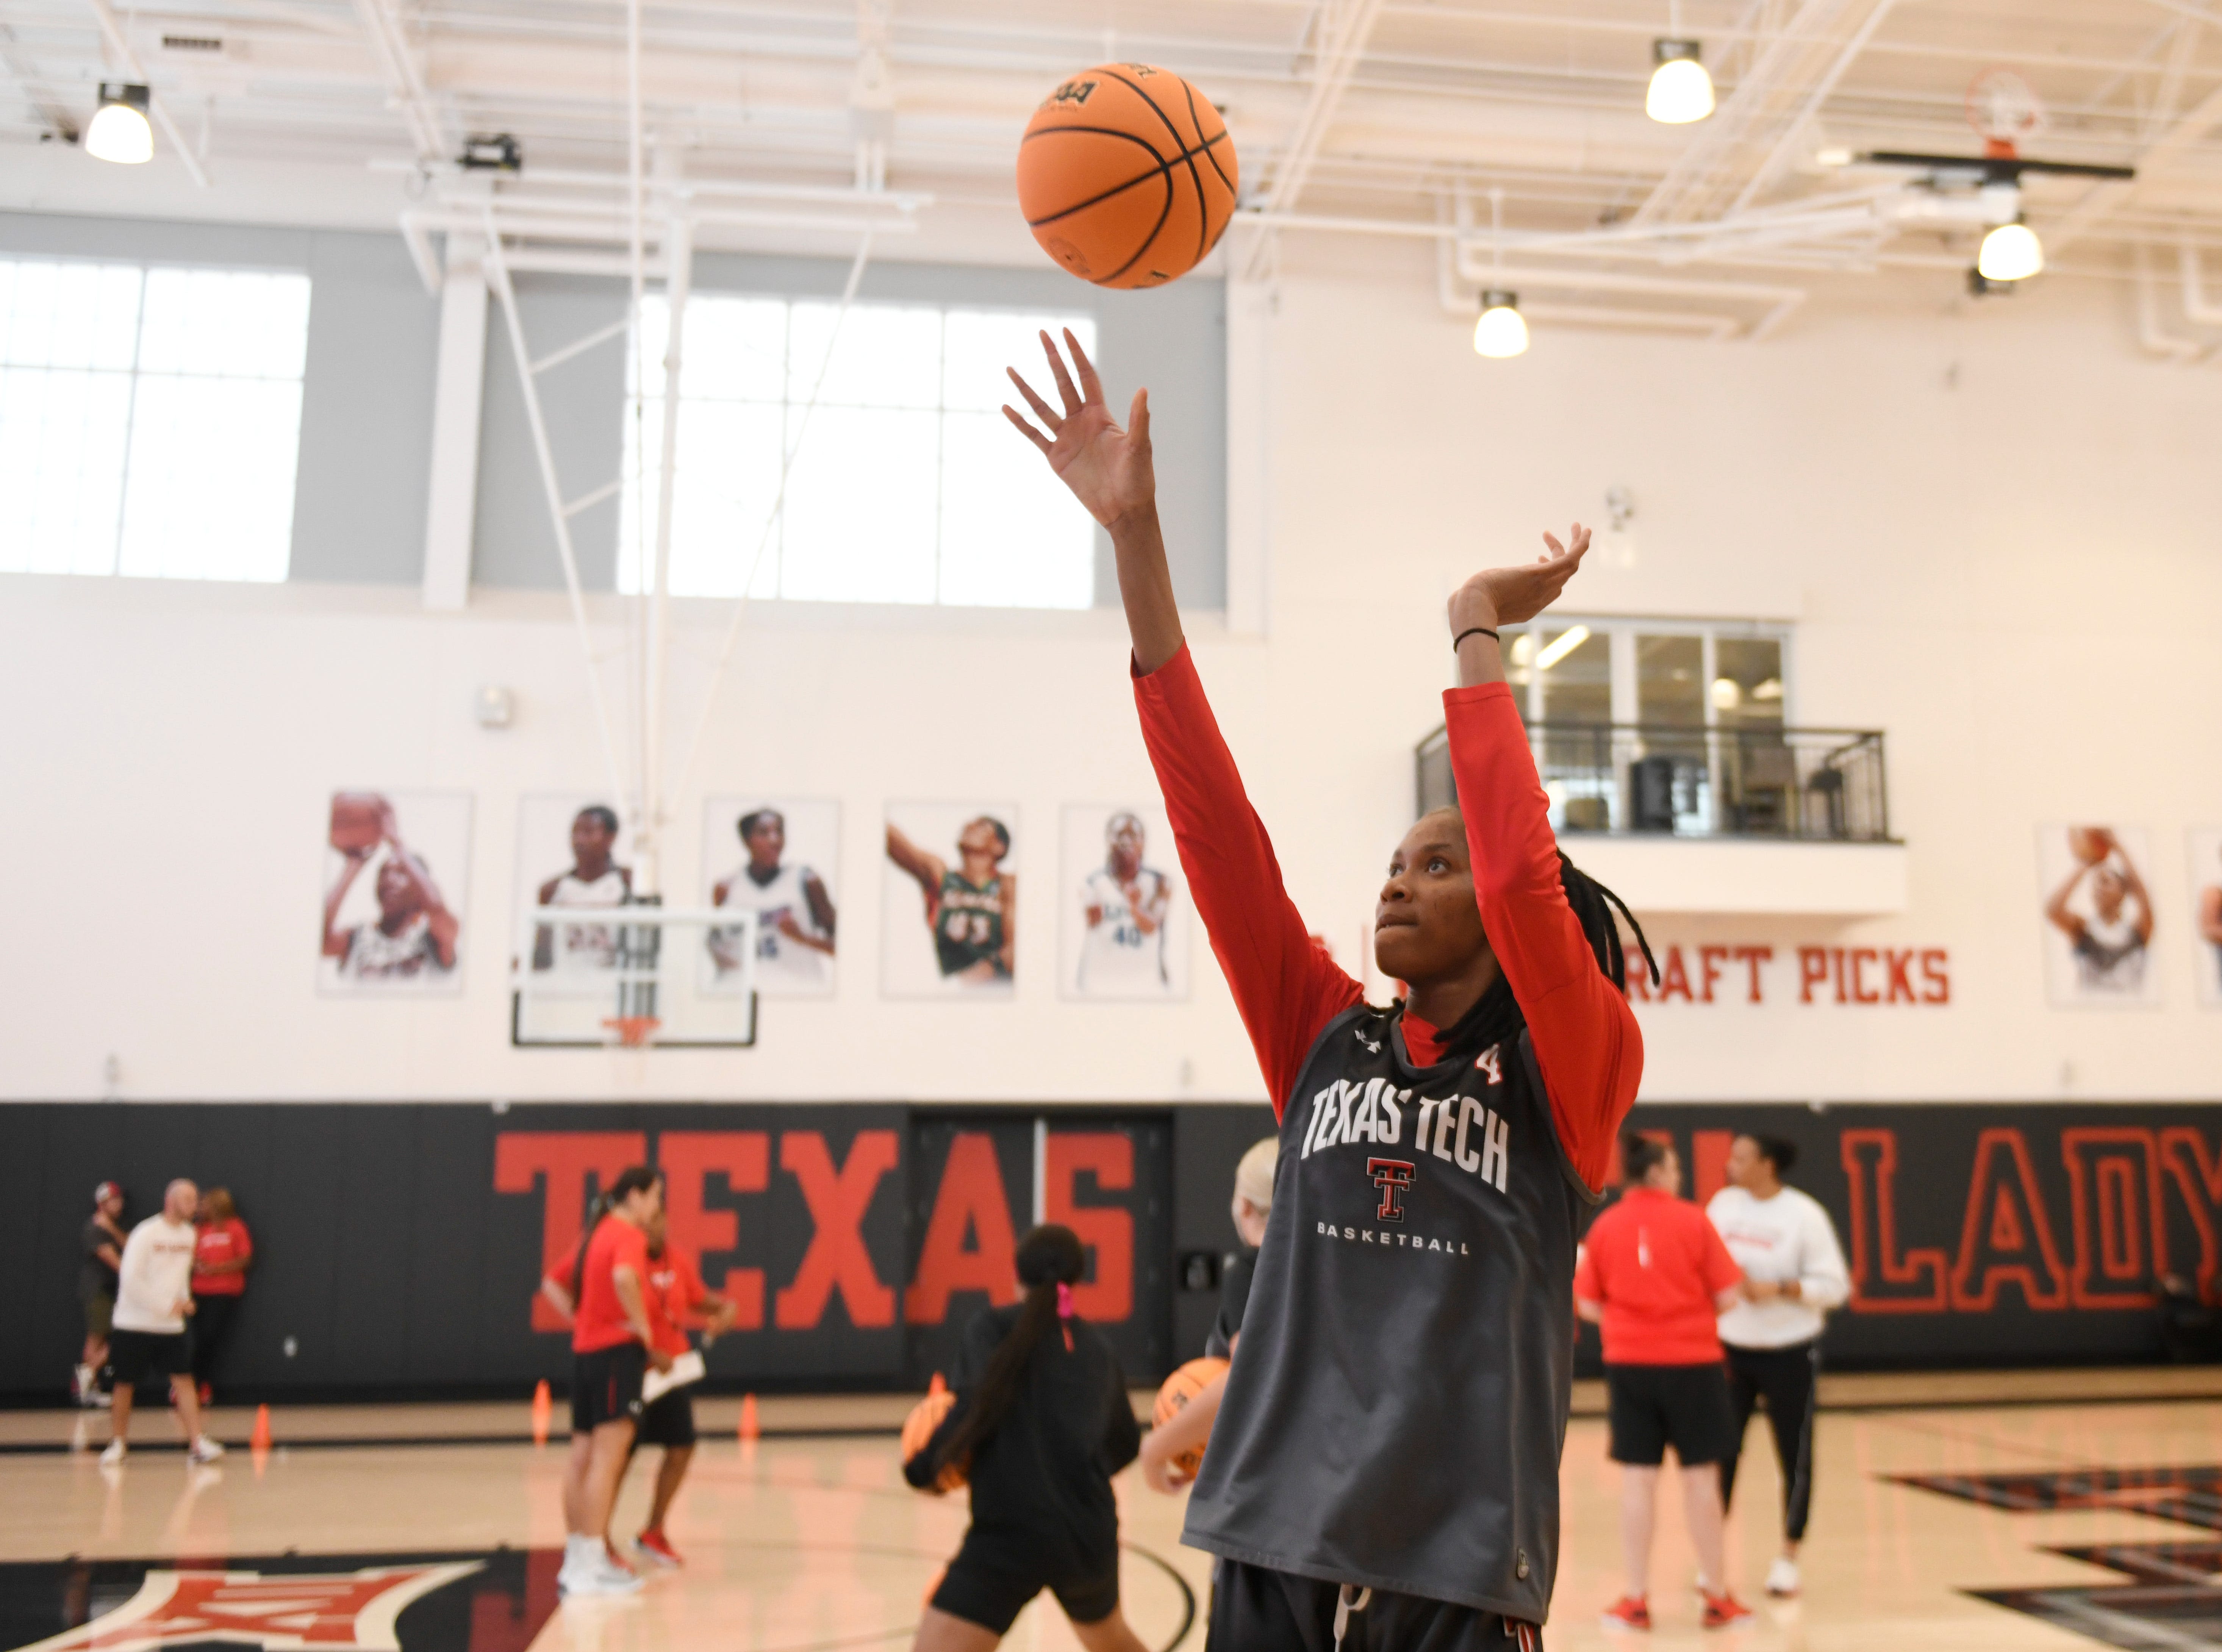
point(1502, 331)
point(120, 131)
point(2010, 252)
point(1681, 91)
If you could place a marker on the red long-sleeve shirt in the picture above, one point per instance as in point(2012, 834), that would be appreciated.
point(1287, 988)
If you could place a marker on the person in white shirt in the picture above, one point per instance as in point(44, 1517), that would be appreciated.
point(154, 1297)
point(1794, 1273)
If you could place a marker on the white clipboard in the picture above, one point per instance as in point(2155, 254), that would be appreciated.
point(685, 1368)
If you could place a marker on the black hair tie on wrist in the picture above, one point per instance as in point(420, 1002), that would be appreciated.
point(1473, 631)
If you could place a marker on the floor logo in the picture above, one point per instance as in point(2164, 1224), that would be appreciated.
point(2171, 1599)
point(489, 1602)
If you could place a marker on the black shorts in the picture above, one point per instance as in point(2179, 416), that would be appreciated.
point(1652, 1407)
point(606, 1386)
point(137, 1355)
point(1257, 1609)
point(997, 1571)
point(668, 1420)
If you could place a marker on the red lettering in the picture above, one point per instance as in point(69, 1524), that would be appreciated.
point(2005, 1238)
point(1639, 981)
point(1884, 1281)
point(1936, 974)
point(970, 1203)
point(2198, 1178)
point(1837, 968)
point(560, 1162)
point(837, 1259)
point(2115, 1173)
point(1901, 974)
point(1678, 978)
point(1812, 970)
point(1108, 1230)
point(1710, 960)
point(1753, 957)
point(1708, 1161)
point(689, 1158)
point(1861, 993)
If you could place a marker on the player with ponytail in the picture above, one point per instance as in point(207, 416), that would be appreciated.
point(1385, 1464)
point(1041, 1423)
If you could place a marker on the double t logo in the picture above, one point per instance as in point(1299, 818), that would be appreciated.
point(1392, 1177)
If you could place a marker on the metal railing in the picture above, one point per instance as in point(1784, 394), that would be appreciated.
point(1813, 784)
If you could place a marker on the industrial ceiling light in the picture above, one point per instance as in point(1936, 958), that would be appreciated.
point(2010, 252)
point(120, 131)
point(1681, 92)
point(1501, 331)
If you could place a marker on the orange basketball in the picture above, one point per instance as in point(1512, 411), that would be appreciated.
point(917, 1427)
point(1127, 175)
point(2089, 844)
point(1181, 1387)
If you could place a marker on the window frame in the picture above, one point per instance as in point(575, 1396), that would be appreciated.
point(1621, 632)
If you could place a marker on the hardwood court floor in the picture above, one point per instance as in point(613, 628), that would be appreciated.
point(813, 1543)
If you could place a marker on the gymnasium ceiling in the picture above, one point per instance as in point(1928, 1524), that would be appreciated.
point(1352, 117)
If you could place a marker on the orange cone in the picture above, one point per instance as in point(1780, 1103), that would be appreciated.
point(259, 1439)
point(542, 1409)
point(749, 1429)
point(936, 1386)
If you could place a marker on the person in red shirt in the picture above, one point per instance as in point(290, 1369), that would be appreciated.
point(1655, 1276)
point(223, 1252)
point(613, 1346)
point(1435, 1156)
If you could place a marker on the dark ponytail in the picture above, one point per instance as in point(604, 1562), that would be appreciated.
point(1050, 1258)
point(634, 1179)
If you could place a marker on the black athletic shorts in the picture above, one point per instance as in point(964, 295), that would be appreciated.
point(138, 1355)
point(998, 1570)
point(668, 1420)
point(606, 1386)
point(1255, 1609)
point(1652, 1407)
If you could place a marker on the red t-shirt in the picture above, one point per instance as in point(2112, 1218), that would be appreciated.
point(1287, 989)
point(675, 1295)
point(601, 1322)
point(1656, 1263)
point(221, 1241)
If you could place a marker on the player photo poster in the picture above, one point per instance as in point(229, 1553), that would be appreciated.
point(949, 915)
point(2205, 843)
point(396, 882)
point(573, 850)
point(1123, 910)
point(780, 859)
point(2097, 917)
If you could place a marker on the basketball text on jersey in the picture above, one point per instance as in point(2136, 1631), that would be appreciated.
point(1459, 1129)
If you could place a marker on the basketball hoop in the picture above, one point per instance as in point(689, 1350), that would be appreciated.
point(2005, 110)
point(634, 1032)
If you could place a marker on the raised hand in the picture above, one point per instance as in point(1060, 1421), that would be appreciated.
point(1507, 596)
point(1107, 468)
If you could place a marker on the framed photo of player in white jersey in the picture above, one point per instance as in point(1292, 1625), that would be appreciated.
point(396, 882)
point(2205, 844)
point(1123, 913)
point(779, 857)
point(573, 849)
point(2098, 917)
point(949, 912)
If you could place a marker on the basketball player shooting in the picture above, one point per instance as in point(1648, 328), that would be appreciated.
point(2110, 944)
point(1125, 904)
point(414, 934)
point(1386, 1462)
point(973, 912)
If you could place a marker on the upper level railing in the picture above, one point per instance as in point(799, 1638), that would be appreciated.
point(1815, 784)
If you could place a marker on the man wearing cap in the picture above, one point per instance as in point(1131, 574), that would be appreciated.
point(154, 1297)
point(102, 1243)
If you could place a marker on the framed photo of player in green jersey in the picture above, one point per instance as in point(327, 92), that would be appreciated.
point(949, 917)
point(1122, 906)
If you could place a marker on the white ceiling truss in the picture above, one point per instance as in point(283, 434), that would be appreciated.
point(752, 124)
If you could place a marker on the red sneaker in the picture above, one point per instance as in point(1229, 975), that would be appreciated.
point(1723, 1609)
point(654, 1547)
point(207, 1395)
point(1629, 1611)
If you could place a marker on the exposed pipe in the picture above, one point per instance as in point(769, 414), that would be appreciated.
point(419, 242)
point(2156, 340)
point(403, 84)
point(1459, 301)
point(679, 249)
point(2196, 305)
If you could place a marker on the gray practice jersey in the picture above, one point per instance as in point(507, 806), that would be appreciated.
point(1394, 1416)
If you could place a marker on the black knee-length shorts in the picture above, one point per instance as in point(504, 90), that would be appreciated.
point(1000, 1568)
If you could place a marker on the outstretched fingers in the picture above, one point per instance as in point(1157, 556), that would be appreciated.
point(1090, 385)
point(1042, 409)
point(1025, 428)
point(1073, 403)
point(1137, 418)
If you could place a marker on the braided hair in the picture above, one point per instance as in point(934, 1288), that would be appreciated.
point(1049, 1259)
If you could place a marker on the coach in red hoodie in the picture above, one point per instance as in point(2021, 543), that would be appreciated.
point(1653, 1274)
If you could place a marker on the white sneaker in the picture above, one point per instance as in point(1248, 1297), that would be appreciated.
point(114, 1454)
point(204, 1449)
point(1782, 1576)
